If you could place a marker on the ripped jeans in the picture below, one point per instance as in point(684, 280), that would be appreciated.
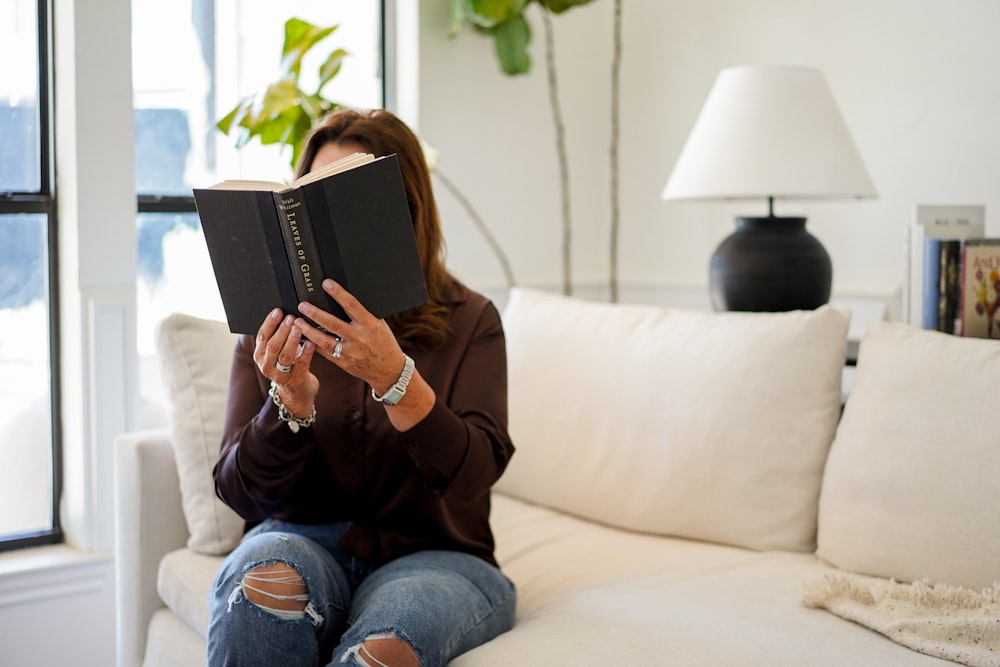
point(441, 603)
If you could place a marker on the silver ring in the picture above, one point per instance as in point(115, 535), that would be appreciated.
point(338, 348)
point(283, 368)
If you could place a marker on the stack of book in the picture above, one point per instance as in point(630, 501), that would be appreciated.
point(952, 282)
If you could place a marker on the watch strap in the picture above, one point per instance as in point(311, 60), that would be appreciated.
point(398, 390)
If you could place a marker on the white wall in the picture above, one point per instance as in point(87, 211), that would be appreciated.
point(917, 81)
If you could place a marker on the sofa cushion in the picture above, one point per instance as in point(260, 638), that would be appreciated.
point(195, 360)
point(184, 581)
point(910, 488)
point(594, 595)
point(713, 426)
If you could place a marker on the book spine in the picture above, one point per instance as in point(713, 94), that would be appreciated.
point(300, 246)
point(327, 241)
point(942, 285)
point(951, 286)
point(275, 248)
point(968, 298)
point(931, 283)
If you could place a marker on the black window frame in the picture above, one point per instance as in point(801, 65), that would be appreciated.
point(43, 202)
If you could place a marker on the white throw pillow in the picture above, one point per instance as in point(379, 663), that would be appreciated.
point(195, 359)
point(706, 425)
point(912, 486)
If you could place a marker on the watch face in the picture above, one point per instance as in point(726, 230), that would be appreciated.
point(398, 390)
point(392, 396)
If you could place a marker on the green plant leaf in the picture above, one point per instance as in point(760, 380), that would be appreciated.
point(560, 6)
point(297, 136)
point(226, 122)
point(300, 37)
point(277, 129)
point(512, 39)
point(493, 13)
point(315, 106)
point(331, 67)
point(278, 97)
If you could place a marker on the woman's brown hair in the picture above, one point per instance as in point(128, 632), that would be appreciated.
point(380, 132)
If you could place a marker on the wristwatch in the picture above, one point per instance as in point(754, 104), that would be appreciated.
point(398, 390)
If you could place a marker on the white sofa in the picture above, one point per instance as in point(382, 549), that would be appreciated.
point(684, 492)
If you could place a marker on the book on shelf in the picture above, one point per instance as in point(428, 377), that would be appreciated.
point(980, 288)
point(272, 244)
point(955, 222)
point(941, 286)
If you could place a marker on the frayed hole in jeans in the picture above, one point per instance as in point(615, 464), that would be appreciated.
point(277, 589)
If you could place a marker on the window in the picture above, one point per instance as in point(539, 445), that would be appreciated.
point(220, 51)
point(29, 441)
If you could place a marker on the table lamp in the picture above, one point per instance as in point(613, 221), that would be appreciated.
point(769, 132)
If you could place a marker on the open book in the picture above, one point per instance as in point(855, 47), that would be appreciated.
point(273, 244)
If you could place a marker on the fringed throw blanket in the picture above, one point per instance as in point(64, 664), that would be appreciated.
point(947, 622)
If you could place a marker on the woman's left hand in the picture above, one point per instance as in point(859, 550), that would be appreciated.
point(364, 347)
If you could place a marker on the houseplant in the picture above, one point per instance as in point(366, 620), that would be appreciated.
point(283, 113)
point(506, 22)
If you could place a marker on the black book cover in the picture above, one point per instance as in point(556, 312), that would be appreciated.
point(359, 221)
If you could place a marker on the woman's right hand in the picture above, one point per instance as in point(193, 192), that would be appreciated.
point(284, 357)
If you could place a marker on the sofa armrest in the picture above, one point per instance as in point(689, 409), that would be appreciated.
point(149, 523)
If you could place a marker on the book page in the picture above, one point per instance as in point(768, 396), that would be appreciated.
point(343, 164)
point(243, 184)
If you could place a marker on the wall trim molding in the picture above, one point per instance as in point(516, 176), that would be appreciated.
point(47, 573)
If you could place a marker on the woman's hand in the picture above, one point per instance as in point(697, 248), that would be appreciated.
point(283, 357)
point(366, 348)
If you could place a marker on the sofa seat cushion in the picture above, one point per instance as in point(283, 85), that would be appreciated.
point(170, 642)
point(184, 581)
point(713, 426)
point(612, 596)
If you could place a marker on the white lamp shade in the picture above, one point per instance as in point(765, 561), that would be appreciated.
point(769, 131)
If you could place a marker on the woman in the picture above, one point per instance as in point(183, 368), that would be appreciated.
point(364, 461)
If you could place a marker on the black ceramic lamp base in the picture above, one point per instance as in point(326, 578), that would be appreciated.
point(770, 264)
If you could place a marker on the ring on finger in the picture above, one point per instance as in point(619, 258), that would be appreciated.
point(337, 349)
point(282, 367)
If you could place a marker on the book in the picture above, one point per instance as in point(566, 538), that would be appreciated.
point(980, 288)
point(271, 244)
point(941, 284)
point(933, 221)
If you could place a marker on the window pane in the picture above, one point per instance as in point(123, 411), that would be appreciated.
point(175, 273)
point(25, 398)
point(220, 52)
point(19, 139)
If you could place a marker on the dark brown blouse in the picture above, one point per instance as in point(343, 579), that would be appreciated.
point(427, 488)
